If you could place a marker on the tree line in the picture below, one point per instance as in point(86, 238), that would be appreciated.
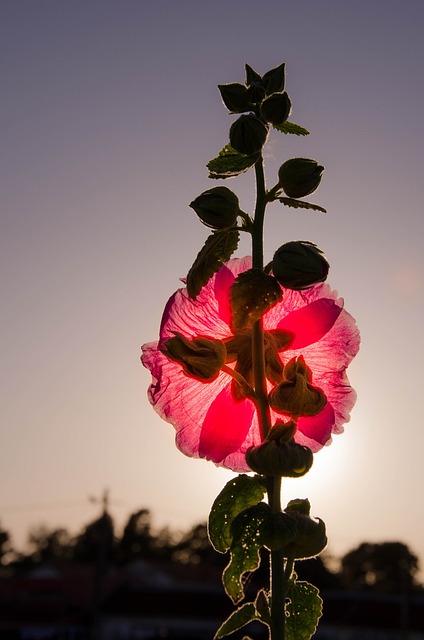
point(387, 567)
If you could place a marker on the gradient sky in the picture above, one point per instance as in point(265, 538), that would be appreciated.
point(109, 113)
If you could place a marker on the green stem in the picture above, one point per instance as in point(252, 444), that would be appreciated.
point(258, 357)
point(258, 222)
point(278, 577)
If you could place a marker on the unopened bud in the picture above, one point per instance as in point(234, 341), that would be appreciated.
point(248, 135)
point(311, 536)
point(256, 92)
point(295, 396)
point(217, 208)
point(299, 264)
point(299, 177)
point(276, 109)
point(235, 97)
point(279, 455)
point(201, 358)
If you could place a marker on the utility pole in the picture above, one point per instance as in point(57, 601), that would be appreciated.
point(101, 564)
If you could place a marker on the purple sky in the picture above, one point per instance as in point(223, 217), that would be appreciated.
point(109, 113)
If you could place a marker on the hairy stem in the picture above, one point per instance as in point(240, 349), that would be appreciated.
point(277, 578)
point(258, 359)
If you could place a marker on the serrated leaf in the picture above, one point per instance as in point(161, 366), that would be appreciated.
point(230, 163)
point(238, 619)
point(238, 495)
point(301, 204)
point(291, 127)
point(247, 540)
point(218, 248)
point(303, 611)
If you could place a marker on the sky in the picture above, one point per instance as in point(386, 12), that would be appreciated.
point(109, 114)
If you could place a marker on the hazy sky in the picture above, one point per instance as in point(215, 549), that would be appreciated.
point(109, 113)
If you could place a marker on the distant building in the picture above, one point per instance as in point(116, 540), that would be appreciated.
point(152, 601)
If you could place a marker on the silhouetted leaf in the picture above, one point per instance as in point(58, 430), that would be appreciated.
point(301, 204)
point(230, 163)
point(291, 127)
point(247, 533)
point(303, 610)
point(218, 248)
point(238, 619)
point(238, 495)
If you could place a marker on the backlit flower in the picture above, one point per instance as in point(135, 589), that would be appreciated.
point(215, 419)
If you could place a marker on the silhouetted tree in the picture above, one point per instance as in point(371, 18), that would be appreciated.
point(194, 547)
point(49, 545)
point(97, 540)
point(388, 567)
point(137, 540)
point(5, 546)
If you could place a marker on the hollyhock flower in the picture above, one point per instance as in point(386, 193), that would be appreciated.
point(214, 419)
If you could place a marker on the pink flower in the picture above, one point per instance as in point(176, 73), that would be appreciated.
point(210, 422)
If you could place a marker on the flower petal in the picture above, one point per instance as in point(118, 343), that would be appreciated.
point(225, 426)
point(310, 323)
point(315, 431)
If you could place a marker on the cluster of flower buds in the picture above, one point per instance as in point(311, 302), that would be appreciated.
point(263, 101)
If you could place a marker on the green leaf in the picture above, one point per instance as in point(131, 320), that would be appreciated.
point(238, 495)
point(218, 248)
point(238, 619)
point(303, 610)
point(301, 204)
point(230, 163)
point(291, 127)
point(247, 540)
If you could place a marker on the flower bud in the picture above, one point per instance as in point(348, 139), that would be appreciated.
point(248, 135)
point(201, 358)
point(299, 264)
point(276, 108)
point(299, 177)
point(235, 97)
point(274, 79)
point(256, 92)
point(295, 396)
point(217, 208)
point(311, 536)
point(288, 460)
point(279, 455)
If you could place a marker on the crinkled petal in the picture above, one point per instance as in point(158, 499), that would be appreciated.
point(225, 426)
point(315, 431)
point(311, 323)
point(209, 314)
point(328, 339)
point(208, 422)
